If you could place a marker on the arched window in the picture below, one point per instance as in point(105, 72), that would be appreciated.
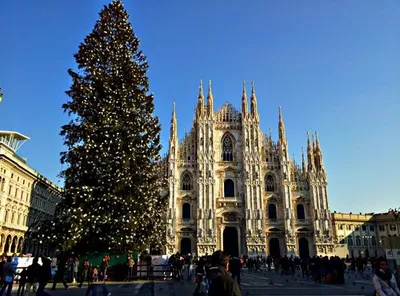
point(229, 188)
point(186, 211)
point(186, 181)
point(272, 211)
point(270, 183)
point(365, 241)
point(300, 212)
point(227, 148)
point(373, 241)
point(7, 216)
point(358, 241)
point(350, 241)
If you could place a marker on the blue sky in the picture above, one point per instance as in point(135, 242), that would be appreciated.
point(333, 66)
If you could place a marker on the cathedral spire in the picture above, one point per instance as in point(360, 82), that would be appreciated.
point(313, 142)
point(303, 162)
point(210, 100)
point(245, 108)
point(270, 140)
point(310, 154)
point(318, 154)
point(174, 132)
point(200, 102)
point(317, 147)
point(282, 131)
point(254, 111)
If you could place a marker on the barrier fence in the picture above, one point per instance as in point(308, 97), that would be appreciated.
point(115, 273)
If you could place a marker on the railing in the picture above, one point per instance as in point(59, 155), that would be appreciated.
point(185, 221)
point(229, 199)
point(121, 273)
point(302, 221)
point(274, 221)
point(163, 271)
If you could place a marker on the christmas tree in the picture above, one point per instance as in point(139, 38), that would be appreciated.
point(112, 199)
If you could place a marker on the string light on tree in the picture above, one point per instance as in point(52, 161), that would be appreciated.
point(112, 179)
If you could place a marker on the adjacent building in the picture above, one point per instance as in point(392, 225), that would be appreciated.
point(26, 197)
point(233, 187)
point(364, 234)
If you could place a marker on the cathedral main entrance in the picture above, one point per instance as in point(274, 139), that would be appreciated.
point(274, 247)
point(231, 241)
point(186, 246)
point(304, 250)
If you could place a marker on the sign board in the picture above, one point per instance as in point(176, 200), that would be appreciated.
point(24, 262)
point(392, 254)
point(160, 260)
point(160, 270)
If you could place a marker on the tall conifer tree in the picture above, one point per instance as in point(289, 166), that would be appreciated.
point(112, 181)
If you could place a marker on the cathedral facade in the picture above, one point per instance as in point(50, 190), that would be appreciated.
point(232, 187)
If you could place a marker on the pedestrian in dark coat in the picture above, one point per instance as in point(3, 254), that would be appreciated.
point(44, 277)
point(32, 277)
point(22, 281)
point(85, 276)
point(60, 274)
point(221, 283)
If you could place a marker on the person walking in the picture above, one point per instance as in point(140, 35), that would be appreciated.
point(235, 269)
point(9, 272)
point(221, 283)
point(32, 277)
point(22, 282)
point(60, 274)
point(84, 274)
point(44, 276)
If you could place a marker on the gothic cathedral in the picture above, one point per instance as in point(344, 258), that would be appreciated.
point(232, 187)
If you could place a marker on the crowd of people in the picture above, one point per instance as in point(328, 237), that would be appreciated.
point(205, 269)
point(35, 277)
point(215, 274)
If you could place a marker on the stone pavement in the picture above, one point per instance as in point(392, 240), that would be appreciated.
point(264, 283)
point(270, 283)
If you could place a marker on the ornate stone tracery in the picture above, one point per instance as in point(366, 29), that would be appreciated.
point(227, 147)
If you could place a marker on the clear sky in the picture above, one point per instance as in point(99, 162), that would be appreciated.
point(333, 66)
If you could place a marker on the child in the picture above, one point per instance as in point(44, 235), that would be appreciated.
point(95, 275)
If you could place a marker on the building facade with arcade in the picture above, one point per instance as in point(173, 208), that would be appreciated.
point(233, 187)
point(26, 198)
